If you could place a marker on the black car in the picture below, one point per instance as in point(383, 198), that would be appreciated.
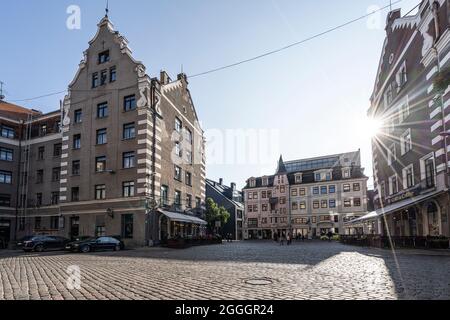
point(95, 244)
point(21, 242)
point(43, 243)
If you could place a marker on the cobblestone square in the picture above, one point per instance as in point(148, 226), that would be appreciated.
point(240, 270)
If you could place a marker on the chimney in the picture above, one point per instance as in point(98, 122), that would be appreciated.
point(220, 181)
point(233, 186)
point(164, 78)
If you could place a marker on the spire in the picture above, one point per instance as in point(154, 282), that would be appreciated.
point(107, 9)
point(281, 167)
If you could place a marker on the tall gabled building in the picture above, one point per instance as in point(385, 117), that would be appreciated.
point(411, 154)
point(131, 158)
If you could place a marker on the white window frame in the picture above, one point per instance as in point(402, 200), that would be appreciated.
point(405, 178)
point(401, 77)
point(402, 142)
point(391, 191)
point(423, 160)
point(392, 156)
point(404, 106)
point(252, 183)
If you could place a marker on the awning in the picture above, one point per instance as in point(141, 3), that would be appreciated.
point(175, 216)
point(394, 207)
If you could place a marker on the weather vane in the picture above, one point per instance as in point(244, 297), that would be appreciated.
point(107, 8)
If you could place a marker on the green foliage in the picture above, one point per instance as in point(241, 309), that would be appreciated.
point(215, 213)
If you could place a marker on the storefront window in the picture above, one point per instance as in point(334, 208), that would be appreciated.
point(127, 226)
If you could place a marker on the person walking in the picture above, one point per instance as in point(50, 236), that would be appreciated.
point(282, 240)
point(288, 239)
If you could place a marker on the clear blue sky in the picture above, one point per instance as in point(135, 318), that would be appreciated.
point(315, 95)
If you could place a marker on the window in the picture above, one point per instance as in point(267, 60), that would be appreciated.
point(41, 153)
point(40, 176)
point(177, 175)
point(5, 200)
point(103, 57)
point(95, 80)
point(128, 189)
point(282, 189)
point(100, 164)
point(178, 149)
point(314, 219)
point(356, 187)
point(188, 201)
point(100, 192)
point(255, 195)
point(255, 208)
point(101, 137)
point(302, 191)
point(189, 138)
point(429, 172)
point(76, 167)
point(165, 195)
point(78, 116)
point(401, 76)
point(43, 130)
point(265, 182)
point(129, 103)
point(316, 190)
point(332, 189)
point(198, 202)
point(346, 188)
point(75, 194)
point(324, 218)
point(56, 174)
point(406, 142)
point(294, 192)
point(129, 131)
point(77, 141)
point(57, 150)
point(318, 177)
point(37, 223)
point(404, 110)
point(188, 178)
point(178, 198)
point(388, 96)
point(302, 205)
point(112, 74)
point(6, 154)
point(264, 207)
point(282, 200)
point(7, 132)
point(346, 173)
point(38, 199)
point(323, 190)
point(55, 198)
point(347, 203)
point(54, 223)
point(252, 183)
point(189, 157)
point(58, 126)
point(357, 202)
point(178, 125)
point(408, 177)
point(393, 185)
point(253, 223)
point(103, 77)
point(392, 156)
point(298, 178)
point(316, 205)
point(332, 203)
point(324, 204)
point(102, 110)
point(328, 176)
point(127, 226)
point(129, 160)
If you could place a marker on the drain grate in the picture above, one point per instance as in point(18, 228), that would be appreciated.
point(259, 281)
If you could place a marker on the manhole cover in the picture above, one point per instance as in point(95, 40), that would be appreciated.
point(259, 281)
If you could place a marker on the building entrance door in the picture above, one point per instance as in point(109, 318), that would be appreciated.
point(433, 219)
point(5, 233)
point(74, 227)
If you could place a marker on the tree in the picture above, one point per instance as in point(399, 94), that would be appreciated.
point(215, 213)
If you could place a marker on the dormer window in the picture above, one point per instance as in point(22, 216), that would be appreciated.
point(252, 183)
point(298, 178)
point(318, 177)
point(346, 173)
point(265, 182)
point(103, 57)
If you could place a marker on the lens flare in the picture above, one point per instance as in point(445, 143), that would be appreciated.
point(373, 126)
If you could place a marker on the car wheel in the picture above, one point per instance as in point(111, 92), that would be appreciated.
point(85, 249)
point(39, 248)
point(117, 248)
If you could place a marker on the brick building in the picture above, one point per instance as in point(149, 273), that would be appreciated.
point(307, 197)
point(124, 155)
point(410, 155)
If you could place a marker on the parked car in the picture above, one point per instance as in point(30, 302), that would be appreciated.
point(43, 243)
point(95, 244)
point(21, 242)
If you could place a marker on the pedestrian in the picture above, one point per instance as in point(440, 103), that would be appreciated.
point(303, 238)
point(330, 234)
point(288, 239)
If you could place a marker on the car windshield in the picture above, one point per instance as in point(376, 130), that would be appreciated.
point(27, 238)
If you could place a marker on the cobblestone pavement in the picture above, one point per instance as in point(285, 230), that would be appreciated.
point(315, 270)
